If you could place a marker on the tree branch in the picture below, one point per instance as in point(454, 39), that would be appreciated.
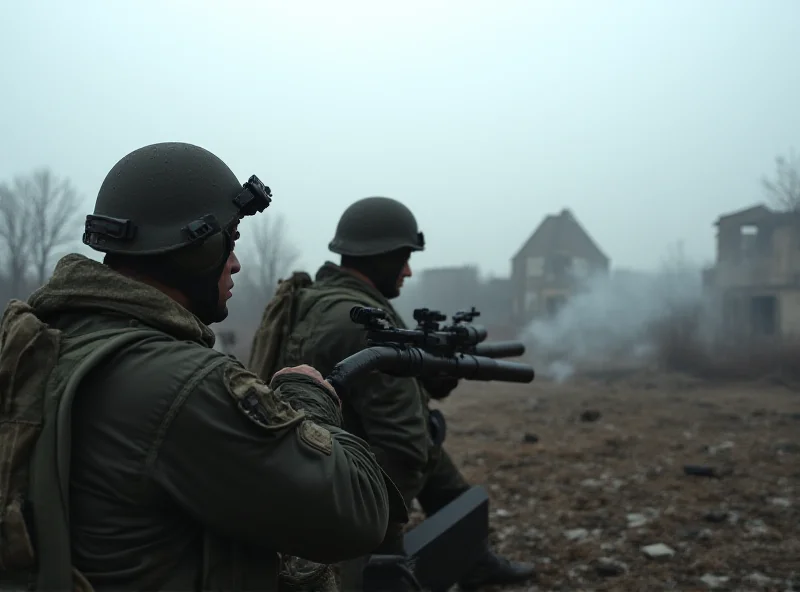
point(783, 189)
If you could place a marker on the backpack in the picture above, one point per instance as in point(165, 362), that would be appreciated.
point(280, 317)
point(35, 446)
point(276, 325)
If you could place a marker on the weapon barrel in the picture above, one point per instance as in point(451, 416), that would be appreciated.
point(413, 361)
point(476, 333)
point(500, 349)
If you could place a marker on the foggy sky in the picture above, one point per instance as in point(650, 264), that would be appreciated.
point(647, 118)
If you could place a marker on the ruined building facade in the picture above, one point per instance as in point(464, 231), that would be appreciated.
point(554, 263)
point(756, 277)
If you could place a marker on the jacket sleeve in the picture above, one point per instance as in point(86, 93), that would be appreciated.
point(251, 467)
point(391, 410)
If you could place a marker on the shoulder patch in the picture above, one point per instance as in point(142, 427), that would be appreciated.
point(259, 402)
point(317, 437)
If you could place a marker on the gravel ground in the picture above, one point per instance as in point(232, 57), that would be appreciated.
point(583, 476)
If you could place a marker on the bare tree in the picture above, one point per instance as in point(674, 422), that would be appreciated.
point(15, 235)
point(783, 189)
point(267, 256)
point(674, 261)
point(54, 218)
point(270, 255)
point(38, 215)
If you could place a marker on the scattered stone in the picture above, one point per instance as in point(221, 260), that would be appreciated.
point(608, 567)
point(576, 534)
point(590, 415)
point(788, 448)
point(530, 438)
point(713, 450)
point(506, 532)
point(705, 534)
point(501, 513)
point(716, 516)
point(781, 502)
point(636, 520)
point(591, 483)
point(688, 533)
point(706, 471)
point(575, 573)
point(658, 551)
point(698, 470)
point(756, 528)
point(713, 581)
point(758, 579)
point(652, 513)
point(533, 533)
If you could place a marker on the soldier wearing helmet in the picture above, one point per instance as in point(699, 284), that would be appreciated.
point(375, 238)
point(187, 471)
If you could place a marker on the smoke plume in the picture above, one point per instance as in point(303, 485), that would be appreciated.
point(613, 321)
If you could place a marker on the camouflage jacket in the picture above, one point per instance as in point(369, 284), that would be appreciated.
point(390, 413)
point(188, 472)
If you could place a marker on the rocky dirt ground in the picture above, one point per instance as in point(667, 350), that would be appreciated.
point(587, 480)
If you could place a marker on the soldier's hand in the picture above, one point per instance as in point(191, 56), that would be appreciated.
point(440, 387)
point(311, 373)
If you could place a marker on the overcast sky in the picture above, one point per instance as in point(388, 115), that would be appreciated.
point(647, 118)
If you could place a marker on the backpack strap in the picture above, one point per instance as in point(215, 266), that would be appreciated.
point(51, 521)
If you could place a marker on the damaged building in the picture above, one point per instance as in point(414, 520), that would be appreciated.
point(552, 265)
point(756, 277)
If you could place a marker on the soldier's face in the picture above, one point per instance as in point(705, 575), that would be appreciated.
point(225, 285)
point(404, 273)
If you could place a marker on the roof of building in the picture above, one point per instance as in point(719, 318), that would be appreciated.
point(561, 233)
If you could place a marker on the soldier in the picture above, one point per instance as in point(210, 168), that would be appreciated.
point(375, 238)
point(187, 471)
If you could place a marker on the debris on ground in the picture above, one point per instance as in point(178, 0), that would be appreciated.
point(590, 496)
point(658, 551)
point(590, 415)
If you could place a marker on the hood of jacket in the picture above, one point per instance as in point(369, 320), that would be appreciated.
point(82, 284)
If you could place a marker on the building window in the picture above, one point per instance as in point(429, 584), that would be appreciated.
point(580, 267)
point(764, 315)
point(559, 265)
point(535, 266)
point(530, 301)
point(749, 240)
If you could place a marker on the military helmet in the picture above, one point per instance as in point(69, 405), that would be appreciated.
point(163, 197)
point(374, 226)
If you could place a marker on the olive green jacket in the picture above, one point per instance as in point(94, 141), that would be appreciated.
point(390, 413)
point(188, 472)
